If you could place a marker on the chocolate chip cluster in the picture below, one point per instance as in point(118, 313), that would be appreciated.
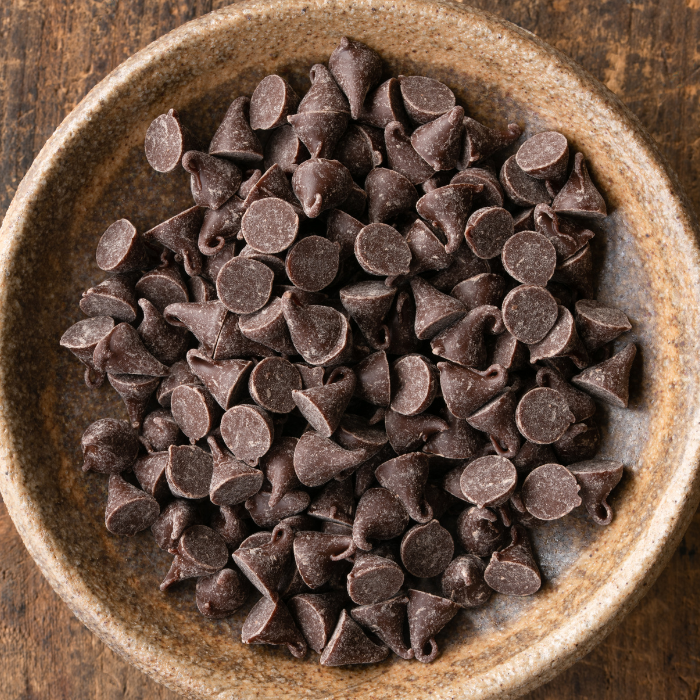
point(359, 366)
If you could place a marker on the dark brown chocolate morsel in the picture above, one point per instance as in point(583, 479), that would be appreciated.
point(579, 195)
point(81, 339)
point(224, 379)
point(272, 100)
point(580, 442)
point(466, 390)
point(488, 230)
point(529, 312)
point(285, 149)
point(427, 549)
point(459, 441)
point(234, 139)
point(386, 620)
point(532, 455)
point(231, 523)
point(543, 415)
point(265, 328)
point(599, 324)
point(428, 252)
point(165, 342)
point(561, 341)
point(597, 478)
point(497, 418)
point(203, 319)
point(310, 376)
point(266, 560)
point(319, 556)
point(521, 188)
point(129, 509)
point(195, 411)
point(162, 287)
point(244, 285)
point(135, 390)
point(492, 193)
point(175, 518)
point(270, 225)
point(232, 482)
point(509, 352)
point(567, 236)
point(373, 379)
point(317, 459)
point(524, 220)
point(150, 473)
point(321, 335)
point(379, 515)
point(114, 297)
point(121, 249)
point(384, 105)
point(425, 99)
point(350, 645)
point(550, 492)
point(577, 272)
point(316, 615)
point(320, 185)
point(382, 250)
point(250, 179)
point(513, 570)
point(480, 141)
point(489, 481)
point(312, 263)
point(272, 383)
point(609, 380)
point(427, 615)
point(360, 149)
point(463, 582)
point(213, 181)
point(409, 433)
point(335, 503)
point(374, 579)
point(402, 156)
point(401, 324)
point(166, 140)
point(368, 303)
point(273, 183)
point(447, 209)
point(529, 257)
point(180, 374)
point(248, 432)
point(389, 194)
point(406, 477)
point(320, 132)
point(324, 96)
point(544, 156)
point(221, 594)
point(200, 552)
point(189, 471)
point(439, 141)
point(356, 68)
point(278, 466)
point(270, 623)
point(324, 406)
point(479, 531)
point(414, 381)
point(121, 351)
point(434, 310)
point(343, 229)
point(357, 433)
point(180, 234)
point(485, 289)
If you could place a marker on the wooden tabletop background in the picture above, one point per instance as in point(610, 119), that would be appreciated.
point(52, 52)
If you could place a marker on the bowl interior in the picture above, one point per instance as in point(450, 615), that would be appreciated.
point(94, 172)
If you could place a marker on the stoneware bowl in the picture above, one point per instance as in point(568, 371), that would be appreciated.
point(93, 171)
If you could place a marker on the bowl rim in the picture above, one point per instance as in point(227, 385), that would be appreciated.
point(520, 673)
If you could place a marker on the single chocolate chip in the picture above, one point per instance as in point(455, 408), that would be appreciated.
point(232, 482)
point(434, 310)
point(356, 69)
point(343, 229)
point(204, 320)
point(488, 230)
point(426, 550)
point(386, 620)
point(374, 579)
point(121, 351)
point(427, 615)
point(319, 556)
point(414, 384)
point(221, 594)
point(166, 343)
point(513, 570)
point(234, 139)
point(270, 623)
point(529, 312)
point(200, 552)
point(129, 509)
point(447, 209)
point(580, 442)
point(312, 263)
point(382, 250)
point(491, 194)
point(577, 272)
point(544, 156)
point(380, 515)
point(439, 141)
point(489, 481)
point(82, 338)
point(599, 324)
point(406, 477)
point(179, 234)
point(389, 194)
point(180, 374)
point(373, 379)
point(121, 249)
point(509, 352)
point(459, 441)
point(425, 99)
point(230, 522)
point(597, 478)
point(272, 383)
point(480, 141)
point(350, 645)
point(114, 297)
point(384, 105)
point(278, 466)
point(213, 181)
point(162, 287)
point(194, 410)
point(135, 390)
point(189, 471)
point(532, 455)
point(466, 390)
point(317, 459)
point(550, 492)
point(521, 188)
point(409, 433)
point(272, 100)
point(166, 140)
point(485, 289)
point(479, 531)
point(335, 504)
point(175, 518)
point(150, 473)
point(321, 185)
point(464, 265)
point(529, 257)
point(244, 285)
point(267, 328)
point(561, 341)
point(316, 615)
point(543, 415)
point(401, 325)
point(566, 236)
point(497, 418)
point(248, 432)
point(525, 220)
point(579, 195)
point(428, 252)
point(310, 376)
point(324, 406)
point(270, 225)
point(402, 156)
point(463, 582)
point(224, 379)
point(285, 149)
point(368, 303)
point(609, 380)
point(360, 150)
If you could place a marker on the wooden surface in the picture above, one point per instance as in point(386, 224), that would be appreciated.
point(53, 51)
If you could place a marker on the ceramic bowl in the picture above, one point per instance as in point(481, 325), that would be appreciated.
point(93, 171)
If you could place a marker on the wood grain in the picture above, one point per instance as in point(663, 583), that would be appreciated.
point(53, 51)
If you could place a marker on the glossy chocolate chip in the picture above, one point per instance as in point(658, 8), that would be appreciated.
point(609, 380)
point(234, 139)
point(380, 515)
point(463, 583)
point(166, 140)
point(389, 194)
point(374, 579)
point(597, 478)
point(488, 230)
point(598, 324)
point(425, 99)
point(513, 570)
point(272, 100)
point(550, 492)
point(529, 312)
point(480, 141)
point(427, 549)
point(220, 595)
point(121, 249)
point(248, 432)
point(129, 509)
point(114, 297)
point(402, 156)
point(427, 615)
point(175, 518)
point(561, 341)
point(179, 234)
point(489, 481)
point(466, 390)
point(270, 623)
point(350, 645)
point(544, 156)
point(447, 209)
point(529, 257)
point(543, 415)
point(579, 195)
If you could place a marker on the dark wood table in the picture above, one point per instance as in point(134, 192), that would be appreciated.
point(53, 51)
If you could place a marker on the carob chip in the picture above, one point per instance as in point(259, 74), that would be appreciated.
point(234, 139)
point(374, 579)
point(513, 570)
point(129, 509)
point(166, 140)
point(544, 156)
point(200, 552)
point(427, 549)
point(609, 381)
point(272, 101)
point(489, 481)
point(425, 99)
point(479, 531)
point(316, 615)
point(550, 492)
point(269, 622)
point(597, 478)
point(350, 645)
point(427, 615)
point(463, 583)
point(221, 594)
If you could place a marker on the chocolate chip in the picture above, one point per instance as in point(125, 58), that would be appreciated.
point(513, 571)
point(577, 272)
point(224, 379)
point(234, 139)
point(175, 518)
point(543, 415)
point(180, 374)
point(121, 249)
point(566, 236)
point(373, 379)
point(114, 297)
point(320, 555)
point(380, 515)
point(529, 312)
point(382, 250)
point(580, 442)
point(439, 141)
point(244, 285)
point(317, 459)
point(447, 209)
point(579, 195)
point(384, 105)
point(166, 343)
point(406, 477)
point(374, 579)
point(213, 180)
point(428, 252)
point(544, 156)
point(529, 257)
point(597, 478)
point(581, 404)
point(272, 384)
point(272, 100)
point(310, 376)
point(189, 471)
point(335, 503)
point(488, 230)
point(230, 523)
point(150, 473)
point(356, 69)
point(561, 341)
point(550, 492)
point(162, 287)
point(368, 303)
point(350, 645)
point(599, 324)
point(267, 328)
point(166, 140)
point(194, 410)
point(427, 615)
point(426, 550)
point(466, 390)
point(459, 441)
point(135, 390)
point(232, 482)
point(248, 432)
point(221, 594)
point(204, 320)
point(81, 339)
point(425, 99)
point(464, 265)
point(408, 433)
point(401, 324)
point(129, 509)
point(270, 623)
point(343, 229)
point(179, 234)
point(509, 352)
point(316, 615)
point(270, 225)
point(479, 531)
point(521, 188)
point(200, 552)
point(285, 149)
point(480, 141)
point(434, 310)
point(402, 156)
point(278, 466)
point(415, 384)
point(321, 185)
point(389, 194)
point(324, 406)
point(463, 582)
point(609, 380)
point(486, 289)
point(491, 194)
point(489, 481)
point(312, 263)
point(497, 418)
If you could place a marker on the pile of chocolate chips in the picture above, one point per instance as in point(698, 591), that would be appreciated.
point(360, 366)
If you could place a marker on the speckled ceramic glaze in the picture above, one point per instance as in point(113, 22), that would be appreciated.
point(93, 171)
